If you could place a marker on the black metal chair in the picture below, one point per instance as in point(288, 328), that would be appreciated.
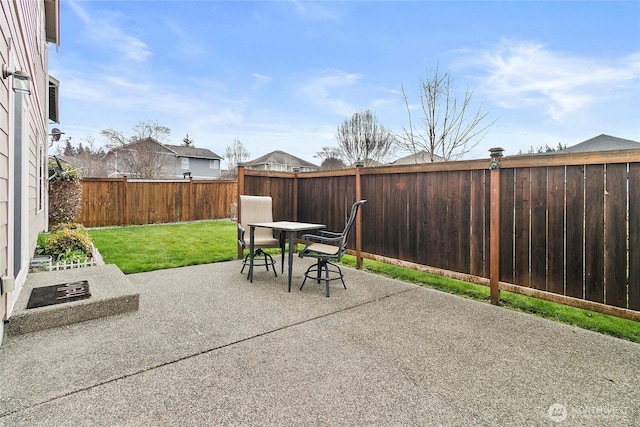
point(255, 209)
point(326, 247)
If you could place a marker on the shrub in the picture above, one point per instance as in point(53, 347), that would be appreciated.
point(67, 226)
point(65, 194)
point(66, 242)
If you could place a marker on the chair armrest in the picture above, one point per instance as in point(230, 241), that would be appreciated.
point(329, 234)
point(321, 239)
point(241, 236)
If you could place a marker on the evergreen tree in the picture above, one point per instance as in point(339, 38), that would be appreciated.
point(187, 142)
point(68, 149)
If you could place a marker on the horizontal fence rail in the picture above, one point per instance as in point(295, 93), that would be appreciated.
point(568, 228)
point(119, 201)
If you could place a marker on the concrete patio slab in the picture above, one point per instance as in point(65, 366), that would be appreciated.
point(206, 347)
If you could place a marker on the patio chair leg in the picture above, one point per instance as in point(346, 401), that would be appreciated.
point(326, 269)
point(320, 266)
point(339, 270)
point(244, 264)
point(268, 260)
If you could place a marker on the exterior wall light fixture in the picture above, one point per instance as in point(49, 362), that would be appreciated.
point(21, 80)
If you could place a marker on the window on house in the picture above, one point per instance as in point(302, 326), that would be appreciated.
point(214, 164)
point(184, 162)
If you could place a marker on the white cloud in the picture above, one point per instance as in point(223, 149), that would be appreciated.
point(319, 91)
point(314, 11)
point(521, 74)
point(107, 33)
point(260, 80)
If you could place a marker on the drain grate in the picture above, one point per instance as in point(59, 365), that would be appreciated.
point(59, 294)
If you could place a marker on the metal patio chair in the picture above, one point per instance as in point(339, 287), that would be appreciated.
point(326, 247)
point(254, 209)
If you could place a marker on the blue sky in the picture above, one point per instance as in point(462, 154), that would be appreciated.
point(283, 75)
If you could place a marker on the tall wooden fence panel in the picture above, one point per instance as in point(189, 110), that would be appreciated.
point(574, 231)
point(118, 201)
point(103, 202)
point(568, 229)
point(280, 188)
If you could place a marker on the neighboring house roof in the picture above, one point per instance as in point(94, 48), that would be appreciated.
point(281, 158)
point(177, 150)
point(193, 152)
point(602, 143)
point(142, 142)
point(416, 158)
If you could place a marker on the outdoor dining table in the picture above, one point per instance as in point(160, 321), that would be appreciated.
point(290, 227)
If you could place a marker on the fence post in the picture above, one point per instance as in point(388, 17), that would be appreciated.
point(191, 200)
point(240, 168)
point(295, 193)
point(494, 245)
point(125, 210)
point(359, 262)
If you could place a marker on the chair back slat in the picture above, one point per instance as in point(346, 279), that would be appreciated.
point(349, 224)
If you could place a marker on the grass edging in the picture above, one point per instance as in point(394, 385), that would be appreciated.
point(581, 318)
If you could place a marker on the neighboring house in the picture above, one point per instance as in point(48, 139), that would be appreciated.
point(28, 101)
point(416, 158)
point(199, 162)
point(148, 158)
point(281, 161)
point(601, 143)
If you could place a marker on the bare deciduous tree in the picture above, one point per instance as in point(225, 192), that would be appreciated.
point(90, 159)
point(236, 153)
point(142, 155)
point(450, 129)
point(331, 158)
point(146, 159)
point(141, 130)
point(362, 138)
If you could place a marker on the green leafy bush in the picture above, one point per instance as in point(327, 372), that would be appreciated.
point(67, 243)
point(67, 226)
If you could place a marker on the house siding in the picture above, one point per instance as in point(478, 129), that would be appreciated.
point(199, 168)
point(22, 29)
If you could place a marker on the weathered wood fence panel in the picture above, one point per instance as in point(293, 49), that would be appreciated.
point(634, 236)
point(118, 201)
point(279, 188)
point(212, 199)
point(569, 227)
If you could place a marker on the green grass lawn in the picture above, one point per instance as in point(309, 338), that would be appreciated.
point(610, 325)
point(137, 249)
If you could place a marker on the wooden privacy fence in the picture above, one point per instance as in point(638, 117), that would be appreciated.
point(119, 201)
point(562, 227)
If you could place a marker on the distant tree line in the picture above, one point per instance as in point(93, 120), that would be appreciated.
point(545, 149)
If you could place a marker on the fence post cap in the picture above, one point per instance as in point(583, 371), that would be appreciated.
point(496, 151)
